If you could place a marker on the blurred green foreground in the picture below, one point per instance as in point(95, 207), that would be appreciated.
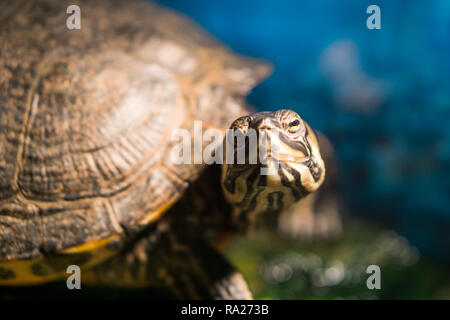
point(280, 269)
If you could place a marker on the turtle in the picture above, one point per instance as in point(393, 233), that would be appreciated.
point(88, 176)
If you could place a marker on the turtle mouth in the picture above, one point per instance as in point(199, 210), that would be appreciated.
point(279, 147)
point(284, 153)
point(290, 158)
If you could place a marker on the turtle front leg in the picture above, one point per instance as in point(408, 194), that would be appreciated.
point(314, 218)
point(187, 268)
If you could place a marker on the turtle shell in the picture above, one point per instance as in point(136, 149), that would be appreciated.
point(87, 116)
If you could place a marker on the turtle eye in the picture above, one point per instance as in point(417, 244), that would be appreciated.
point(294, 125)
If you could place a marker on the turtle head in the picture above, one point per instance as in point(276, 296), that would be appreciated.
point(272, 160)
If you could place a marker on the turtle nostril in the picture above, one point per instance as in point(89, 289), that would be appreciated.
point(264, 125)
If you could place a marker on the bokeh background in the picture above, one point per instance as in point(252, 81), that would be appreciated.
point(383, 99)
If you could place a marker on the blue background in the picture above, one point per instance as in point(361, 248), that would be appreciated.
point(382, 96)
